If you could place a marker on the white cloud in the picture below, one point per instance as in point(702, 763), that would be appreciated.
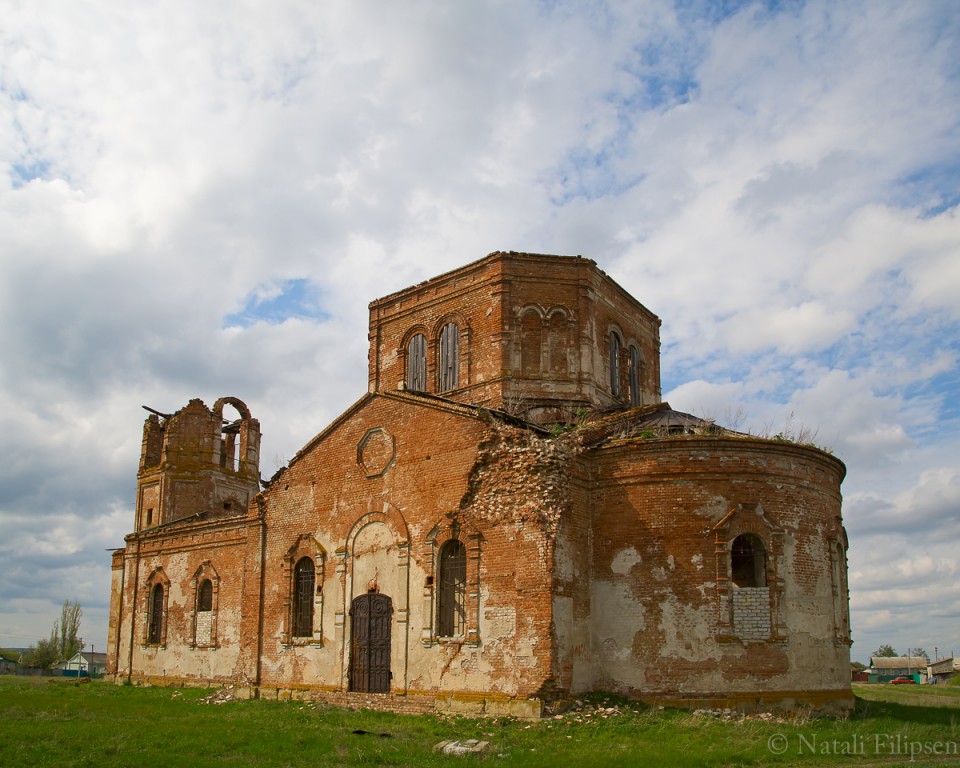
point(778, 185)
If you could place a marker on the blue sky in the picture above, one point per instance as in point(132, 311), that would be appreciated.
point(198, 201)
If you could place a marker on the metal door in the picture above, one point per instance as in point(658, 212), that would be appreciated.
point(370, 628)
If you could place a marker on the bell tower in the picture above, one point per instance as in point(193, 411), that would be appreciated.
point(195, 463)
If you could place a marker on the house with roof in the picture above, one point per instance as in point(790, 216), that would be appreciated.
point(10, 660)
point(943, 669)
point(883, 669)
point(85, 664)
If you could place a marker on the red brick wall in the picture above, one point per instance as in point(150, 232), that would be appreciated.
point(560, 295)
point(448, 463)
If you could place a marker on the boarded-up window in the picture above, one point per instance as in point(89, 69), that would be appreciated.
point(448, 368)
point(531, 342)
point(303, 586)
point(748, 561)
point(636, 374)
point(452, 602)
point(614, 364)
point(155, 616)
point(417, 363)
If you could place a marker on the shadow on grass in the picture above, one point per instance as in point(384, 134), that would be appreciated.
point(923, 715)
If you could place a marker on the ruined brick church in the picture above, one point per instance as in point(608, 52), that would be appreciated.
point(509, 516)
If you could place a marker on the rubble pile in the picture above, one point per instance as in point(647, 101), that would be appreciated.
point(220, 696)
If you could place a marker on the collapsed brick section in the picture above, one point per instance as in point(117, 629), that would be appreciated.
point(522, 477)
point(441, 546)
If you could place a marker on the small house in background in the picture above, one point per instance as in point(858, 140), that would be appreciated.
point(86, 664)
point(9, 660)
point(943, 669)
point(883, 669)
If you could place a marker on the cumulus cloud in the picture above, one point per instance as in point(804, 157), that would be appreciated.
point(196, 202)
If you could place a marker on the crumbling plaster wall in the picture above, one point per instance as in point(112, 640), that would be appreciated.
point(574, 667)
point(659, 573)
point(213, 550)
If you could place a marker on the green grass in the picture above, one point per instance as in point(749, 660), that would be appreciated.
point(921, 695)
point(63, 723)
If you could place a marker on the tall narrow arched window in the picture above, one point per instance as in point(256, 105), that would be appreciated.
point(205, 596)
point(636, 367)
point(417, 363)
point(303, 588)
point(748, 561)
point(203, 621)
point(155, 616)
point(452, 597)
point(614, 364)
point(449, 360)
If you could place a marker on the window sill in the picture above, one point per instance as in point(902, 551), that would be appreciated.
point(771, 640)
point(302, 642)
point(471, 641)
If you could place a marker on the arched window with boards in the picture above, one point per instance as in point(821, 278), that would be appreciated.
point(614, 346)
point(417, 363)
point(636, 374)
point(448, 358)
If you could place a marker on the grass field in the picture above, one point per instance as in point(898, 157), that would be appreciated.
point(64, 723)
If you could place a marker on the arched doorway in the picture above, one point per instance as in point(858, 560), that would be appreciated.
point(371, 621)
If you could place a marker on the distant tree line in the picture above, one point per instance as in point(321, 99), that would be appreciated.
point(889, 652)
